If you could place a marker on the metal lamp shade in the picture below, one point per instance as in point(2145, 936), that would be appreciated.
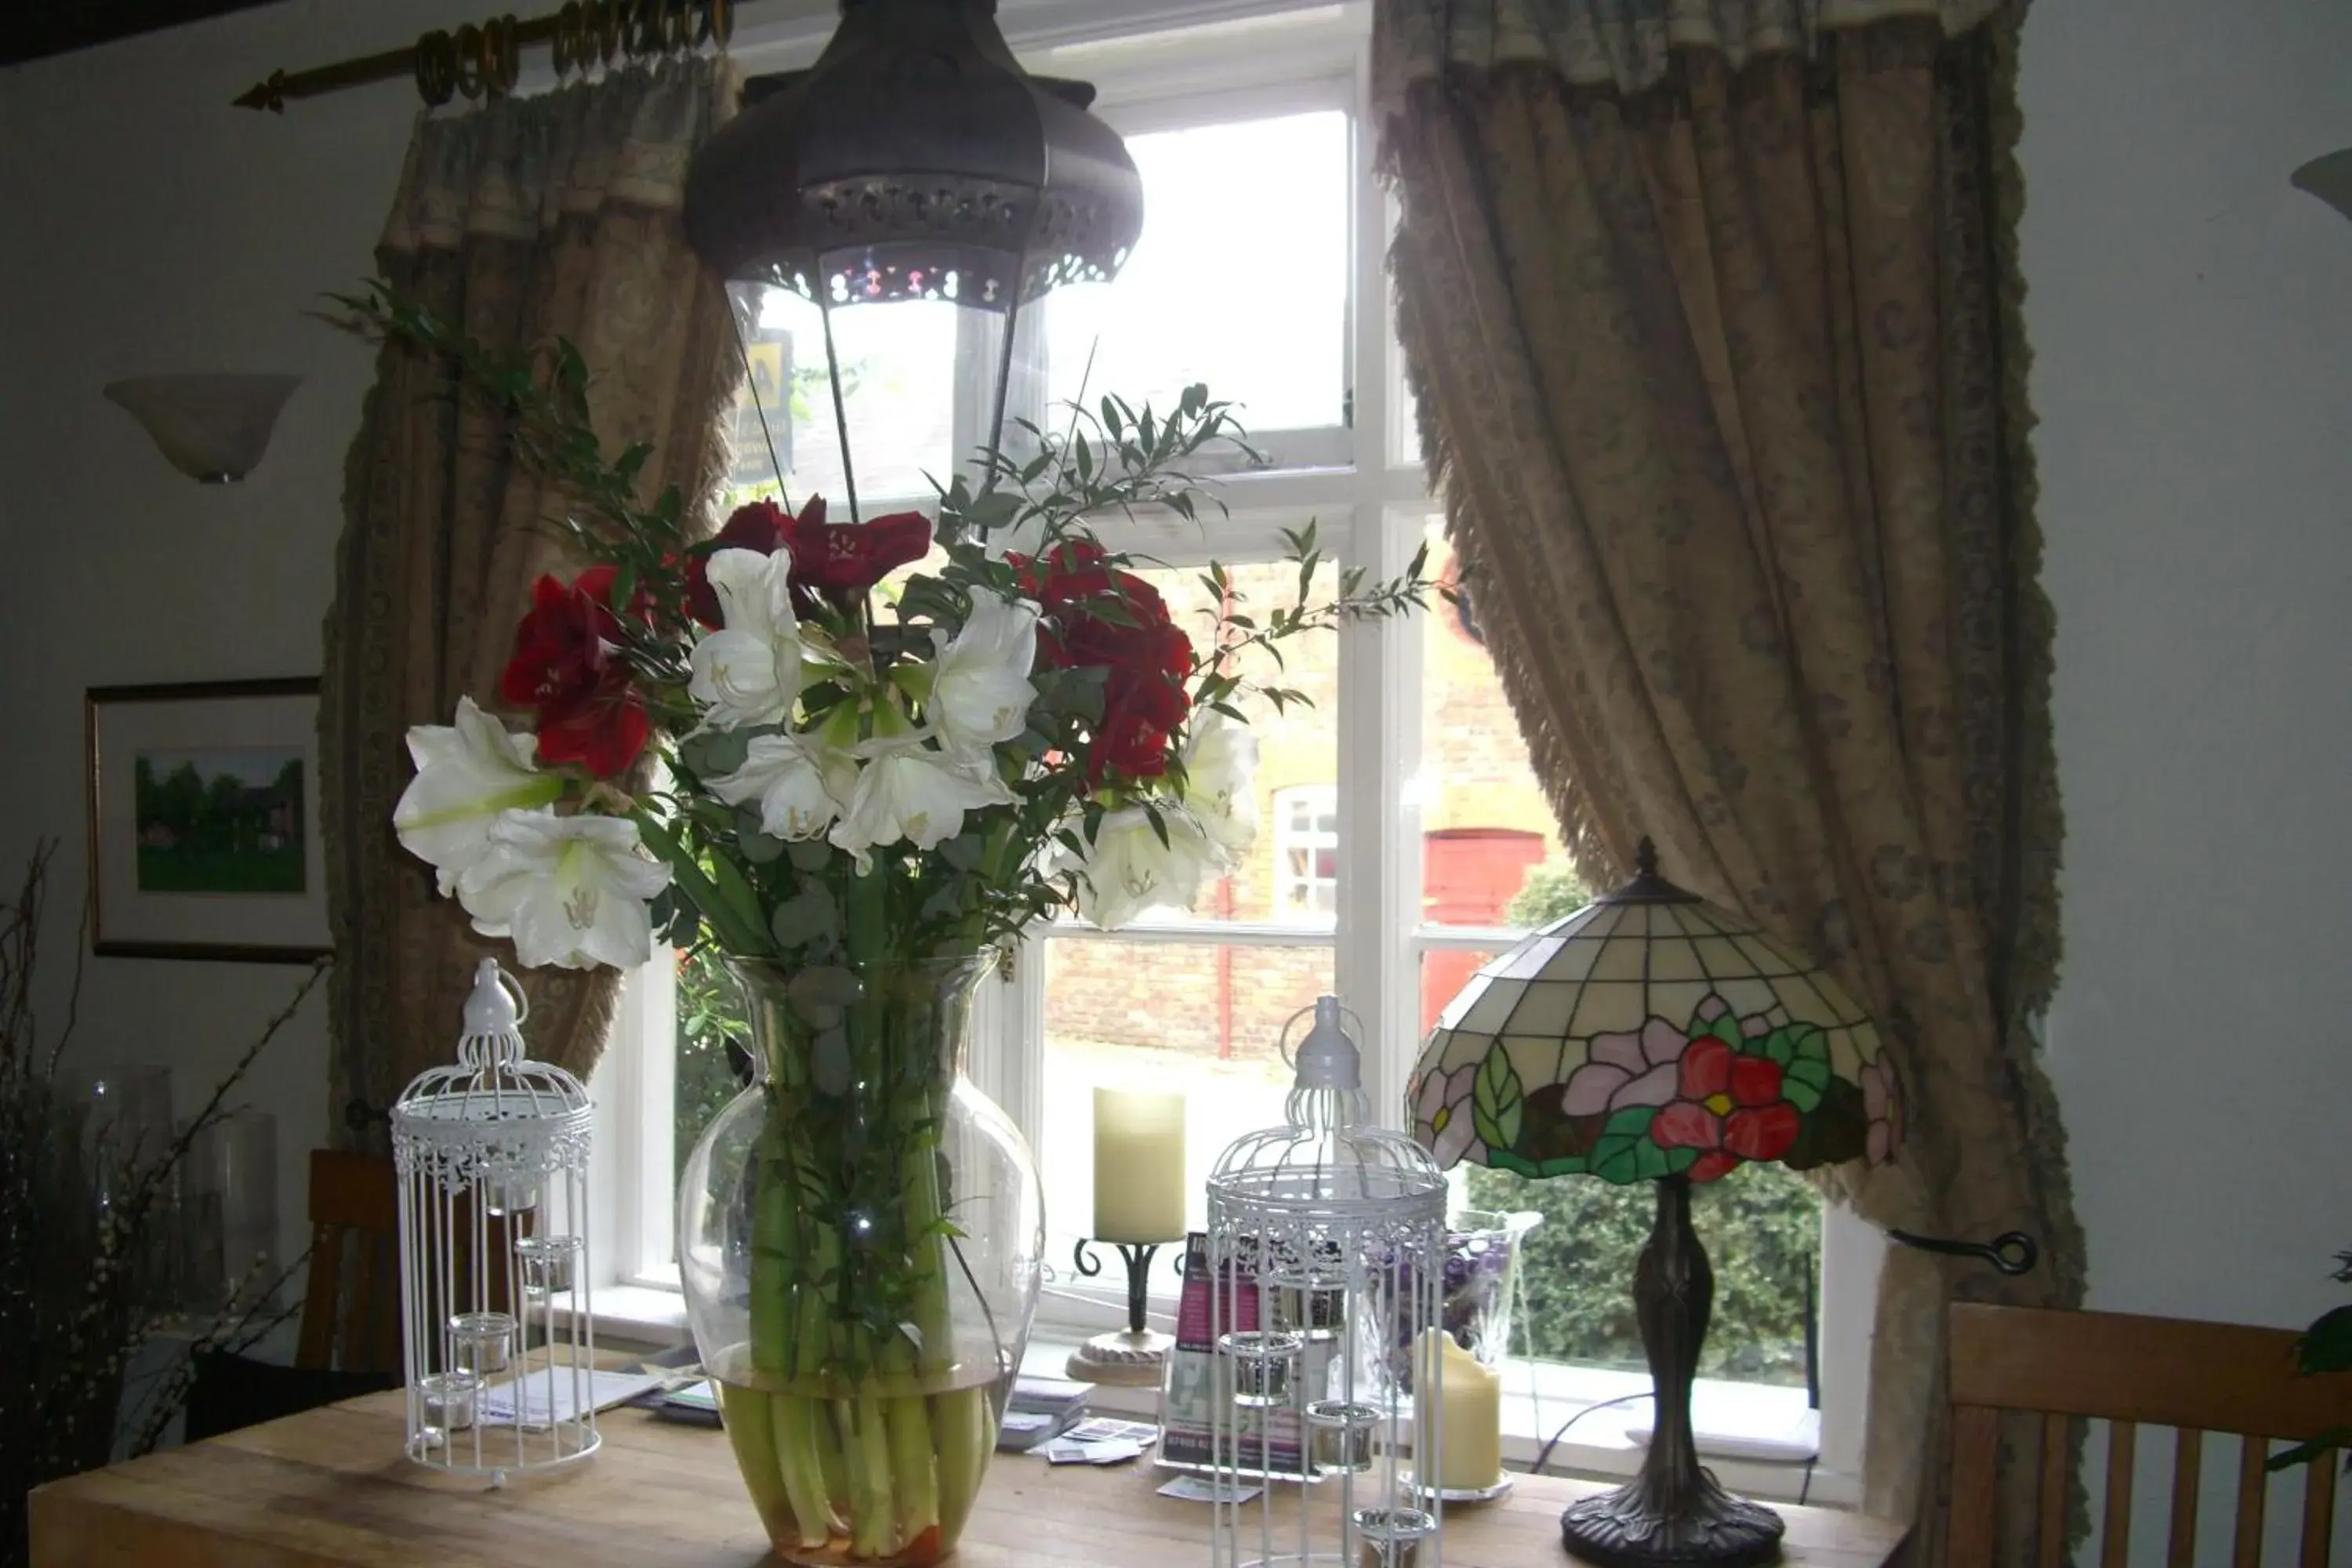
point(915, 160)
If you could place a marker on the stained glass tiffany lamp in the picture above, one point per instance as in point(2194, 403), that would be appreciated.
point(1651, 1036)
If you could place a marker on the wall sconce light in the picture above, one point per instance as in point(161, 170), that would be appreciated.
point(2329, 178)
point(213, 428)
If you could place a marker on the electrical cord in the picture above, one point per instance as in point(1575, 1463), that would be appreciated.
point(1543, 1455)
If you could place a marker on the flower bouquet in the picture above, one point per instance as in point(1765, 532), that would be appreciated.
point(858, 758)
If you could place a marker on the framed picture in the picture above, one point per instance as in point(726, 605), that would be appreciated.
point(204, 821)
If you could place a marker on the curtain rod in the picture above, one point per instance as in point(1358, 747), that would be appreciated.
point(486, 59)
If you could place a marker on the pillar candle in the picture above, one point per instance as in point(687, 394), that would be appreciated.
point(1139, 1166)
point(1469, 1414)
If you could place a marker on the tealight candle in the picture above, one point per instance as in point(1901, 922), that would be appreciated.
point(447, 1400)
point(1261, 1366)
point(547, 1263)
point(484, 1340)
point(1391, 1537)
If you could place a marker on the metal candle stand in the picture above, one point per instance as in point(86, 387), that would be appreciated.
point(492, 1161)
point(1134, 1356)
point(1326, 1254)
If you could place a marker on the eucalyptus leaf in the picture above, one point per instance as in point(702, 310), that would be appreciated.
point(809, 856)
point(812, 915)
point(760, 847)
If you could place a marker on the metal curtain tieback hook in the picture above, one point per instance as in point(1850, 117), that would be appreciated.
point(2012, 1252)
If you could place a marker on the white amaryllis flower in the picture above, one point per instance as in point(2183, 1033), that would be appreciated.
point(1129, 871)
point(907, 789)
point(800, 783)
point(1220, 767)
point(981, 690)
point(569, 892)
point(749, 671)
point(467, 773)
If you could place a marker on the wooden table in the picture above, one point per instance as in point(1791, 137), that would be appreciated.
point(330, 1487)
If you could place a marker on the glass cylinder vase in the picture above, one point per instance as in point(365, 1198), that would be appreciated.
point(860, 1234)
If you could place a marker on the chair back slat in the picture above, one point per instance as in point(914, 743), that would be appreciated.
point(2132, 1371)
point(2114, 1537)
point(2188, 1461)
point(354, 1206)
point(2319, 1507)
point(2057, 1455)
point(2253, 1486)
point(1976, 1465)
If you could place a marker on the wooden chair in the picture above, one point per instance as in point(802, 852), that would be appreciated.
point(354, 1203)
point(2130, 1371)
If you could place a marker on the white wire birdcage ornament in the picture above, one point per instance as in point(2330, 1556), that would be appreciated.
point(1326, 1262)
point(498, 1343)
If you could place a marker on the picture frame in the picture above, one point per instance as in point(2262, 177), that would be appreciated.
point(204, 821)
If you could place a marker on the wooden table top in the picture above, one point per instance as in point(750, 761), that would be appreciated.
point(330, 1487)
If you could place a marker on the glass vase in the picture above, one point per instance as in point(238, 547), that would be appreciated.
point(859, 1237)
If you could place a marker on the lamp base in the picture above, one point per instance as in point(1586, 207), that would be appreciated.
point(1671, 1515)
point(1628, 1528)
point(1129, 1359)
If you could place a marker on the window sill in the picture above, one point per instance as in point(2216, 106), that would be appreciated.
point(1758, 1440)
point(639, 1316)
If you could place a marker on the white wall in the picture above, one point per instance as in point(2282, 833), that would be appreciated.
point(150, 227)
point(2191, 318)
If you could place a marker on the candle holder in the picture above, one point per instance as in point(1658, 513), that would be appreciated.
point(1135, 1356)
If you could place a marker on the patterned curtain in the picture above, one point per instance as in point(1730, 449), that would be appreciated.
point(534, 219)
point(1715, 341)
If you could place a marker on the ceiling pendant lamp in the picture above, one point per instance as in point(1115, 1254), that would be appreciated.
point(915, 161)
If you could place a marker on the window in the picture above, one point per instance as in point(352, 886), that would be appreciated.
point(1307, 852)
point(1409, 755)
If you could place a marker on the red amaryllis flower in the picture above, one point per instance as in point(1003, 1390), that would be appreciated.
point(566, 667)
point(839, 559)
point(1099, 618)
point(757, 525)
point(1730, 1107)
point(1141, 710)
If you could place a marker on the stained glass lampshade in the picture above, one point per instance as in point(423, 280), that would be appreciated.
point(1653, 1036)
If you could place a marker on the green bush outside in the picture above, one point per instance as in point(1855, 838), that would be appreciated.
point(709, 1021)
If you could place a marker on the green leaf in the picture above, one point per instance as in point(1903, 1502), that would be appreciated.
point(714, 754)
point(760, 847)
point(1805, 1082)
point(2327, 1345)
point(1518, 1165)
point(1617, 1153)
point(809, 856)
point(1568, 1165)
point(2308, 1453)
point(697, 885)
point(735, 889)
point(1497, 1100)
point(810, 916)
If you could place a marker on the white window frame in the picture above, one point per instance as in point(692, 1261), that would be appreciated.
point(1364, 486)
